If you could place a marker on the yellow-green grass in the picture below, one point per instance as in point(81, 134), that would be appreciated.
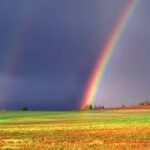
point(100, 130)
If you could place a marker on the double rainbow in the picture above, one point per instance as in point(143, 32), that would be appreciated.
point(103, 60)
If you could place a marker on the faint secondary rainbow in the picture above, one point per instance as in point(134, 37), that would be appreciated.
point(15, 53)
point(103, 60)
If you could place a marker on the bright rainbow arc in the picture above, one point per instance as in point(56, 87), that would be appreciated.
point(101, 65)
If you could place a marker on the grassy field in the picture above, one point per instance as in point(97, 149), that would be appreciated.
point(95, 130)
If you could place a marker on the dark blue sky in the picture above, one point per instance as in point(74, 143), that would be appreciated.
point(48, 49)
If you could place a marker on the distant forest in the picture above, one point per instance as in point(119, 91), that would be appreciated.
point(146, 102)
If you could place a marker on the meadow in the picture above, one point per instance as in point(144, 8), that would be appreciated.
point(75, 130)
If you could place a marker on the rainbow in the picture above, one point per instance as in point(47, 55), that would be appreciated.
point(103, 60)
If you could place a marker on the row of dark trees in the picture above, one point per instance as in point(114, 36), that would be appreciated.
point(145, 103)
point(94, 107)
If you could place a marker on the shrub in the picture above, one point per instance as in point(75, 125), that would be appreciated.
point(24, 109)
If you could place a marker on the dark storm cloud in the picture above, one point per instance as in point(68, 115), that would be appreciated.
point(57, 40)
point(55, 44)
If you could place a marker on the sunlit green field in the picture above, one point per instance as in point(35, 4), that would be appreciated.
point(100, 130)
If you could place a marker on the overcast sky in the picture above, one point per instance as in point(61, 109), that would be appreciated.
point(48, 49)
